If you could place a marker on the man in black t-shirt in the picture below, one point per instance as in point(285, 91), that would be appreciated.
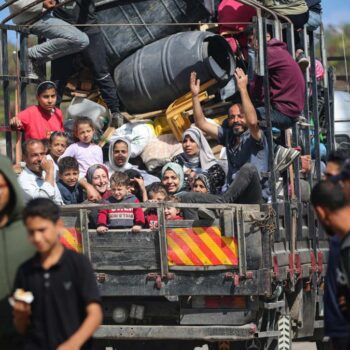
point(66, 308)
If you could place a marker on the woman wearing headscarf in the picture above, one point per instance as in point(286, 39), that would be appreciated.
point(201, 184)
point(172, 177)
point(197, 157)
point(97, 176)
point(118, 159)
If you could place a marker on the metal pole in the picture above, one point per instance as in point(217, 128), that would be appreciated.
point(6, 91)
point(314, 107)
point(23, 68)
point(263, 59)
point(328, 123)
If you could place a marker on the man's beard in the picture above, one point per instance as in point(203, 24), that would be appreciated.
point(237, 133)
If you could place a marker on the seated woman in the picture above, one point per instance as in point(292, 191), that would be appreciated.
point(197, 157)
point(173, 178)
point(118, 159)
point(97, 176)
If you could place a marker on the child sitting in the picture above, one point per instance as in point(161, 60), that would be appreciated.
point(120, 217)
point(68, 172)
point(84, 150)
point(156, 192)
point(38, 122)
point(172, 213)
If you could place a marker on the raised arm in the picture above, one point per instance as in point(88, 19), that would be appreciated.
point(199, 118)
point(249, 110)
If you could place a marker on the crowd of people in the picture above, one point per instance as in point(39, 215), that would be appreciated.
point(59, 172)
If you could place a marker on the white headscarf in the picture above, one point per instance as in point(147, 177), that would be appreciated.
point(112, 167)
point(206, 155)
point(111, 164)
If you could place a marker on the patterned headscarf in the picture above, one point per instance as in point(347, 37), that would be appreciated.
point(205, 179)
point(91, 171)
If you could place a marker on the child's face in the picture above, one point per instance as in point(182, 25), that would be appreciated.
point(84, 133)
point(157, 196)
point(58, 146)
point(70, 177)
point(43, 233)
point(199, 187)
point(47, 99)
point(171, 213)
point(120, 153)
point(119, 191)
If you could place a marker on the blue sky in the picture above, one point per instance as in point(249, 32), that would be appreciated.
point(336, 11)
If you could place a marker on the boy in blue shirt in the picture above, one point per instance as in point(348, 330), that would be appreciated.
point(68, 184)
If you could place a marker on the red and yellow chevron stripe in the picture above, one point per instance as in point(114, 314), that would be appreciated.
point(71, 239)
point(200, 246)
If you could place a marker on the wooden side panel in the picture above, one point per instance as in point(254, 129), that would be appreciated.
point(124, 250)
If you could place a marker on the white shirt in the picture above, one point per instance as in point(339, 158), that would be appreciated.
point(35, 186)
point(55, 166)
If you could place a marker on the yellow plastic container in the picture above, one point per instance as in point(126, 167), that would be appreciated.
point(177, 121)
point(161, 126)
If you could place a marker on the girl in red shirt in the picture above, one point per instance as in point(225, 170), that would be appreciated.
point(38, 122)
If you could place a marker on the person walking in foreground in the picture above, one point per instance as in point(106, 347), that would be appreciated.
point(333, 211)
point(65, 310)
point(12, 254)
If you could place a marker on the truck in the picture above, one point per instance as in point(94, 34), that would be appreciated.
point(251, 279)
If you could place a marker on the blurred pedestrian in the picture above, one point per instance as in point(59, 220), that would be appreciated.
point(333, 210)
point(14, 248)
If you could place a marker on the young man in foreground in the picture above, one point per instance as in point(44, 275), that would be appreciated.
point(65, 310)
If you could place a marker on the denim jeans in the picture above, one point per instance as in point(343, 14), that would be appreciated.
point(278, 119)
point(315, 20)
point(95, 57)
point(62, 39)
point(245, 189)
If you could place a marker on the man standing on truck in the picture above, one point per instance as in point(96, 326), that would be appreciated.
point(333, 210)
